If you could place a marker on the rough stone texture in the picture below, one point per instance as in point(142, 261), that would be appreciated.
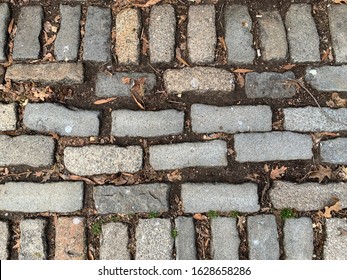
point(99, 159)
point(66, 45)
point(128, 27)
point(4, 20)
point(198, 79)
point(254, 147)
point(185, 240)
point(302, 34)
point(8, 116)
point(334, 151)
point(32, 244)
point(206, 118)
point(132, 199)
point(35, 197)
point(225, 239)
point(108, 86)
point(49, 117)
point(327, 78)
point(313, 119)
point(335, 246)
point(114, 242)
point(4, 235)
point(97, 38)
point(29, 24)
point(162, 27)
point(48, 73)
point(153, 240)
point(337, 22)
point(201, 30)
point(307, 196)
point(183, 155)
point(32, 150)
point(269, 85)
point(298, 239)
point(147, 123)
point(70, 239)
point(238, 36)
point(273, 41)
point(263, 238)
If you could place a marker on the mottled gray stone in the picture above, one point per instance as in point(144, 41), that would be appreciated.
point(337, 23)
point(4, 235)
point(185, 240)
point(327, 78)
point(263, 238)
point(335, 246)
point(254, 147)
point(4, 20)
point(334, 151)
point(8, 116)
point(32, 240)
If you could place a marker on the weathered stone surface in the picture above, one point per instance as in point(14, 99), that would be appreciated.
point(337, 22)
point(4, 20)
point(99, 159)
point(35, 197)
point(8, 116)
point(335, 246)
point(185, 240)
point(4, 235)
point(327, 78)
point(132, 199)
point(32, 244)
point(334, 151)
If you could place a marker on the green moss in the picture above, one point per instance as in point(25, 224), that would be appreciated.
point(96, 227)
point(153, 215)
point(174, 233)
point(212, 214)
point(287, 213)
point(234, 214)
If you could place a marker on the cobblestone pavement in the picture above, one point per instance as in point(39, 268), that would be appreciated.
point(181, 130)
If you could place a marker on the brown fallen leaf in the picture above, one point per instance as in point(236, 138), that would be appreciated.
point(10, 26)
point(50, 40)
point(103, 101)
point(242, 70)
point(126, 80)
point(179, 57)
point(288, 66)
point(147, 4)
point(174, 176)
point(222, 42)
point(138, 92)
point(343, 232)
point(277, 173)
point(326, 54)
point(340, 1)
point(321, 173)
point(47, 26)
point(336, 101)
point(240, 222)
point(199, 217)
point(266, 168)
point(328, 209)
point(240, 80)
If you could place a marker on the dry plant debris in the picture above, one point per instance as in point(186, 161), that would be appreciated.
point(340, 1)
point(277, 173)
point(103, 101)
point(321, 173)
point(328, 209)
point(336, 101)
point(138, 92)
point(174, 176)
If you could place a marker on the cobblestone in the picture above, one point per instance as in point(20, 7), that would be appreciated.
point(335, 247)
point(327, 78)
point(32, 241)
point(4, 237)
point(8, 116)
point(334, 151)
point(185, 240)
point(4, 20)
point(338, 19)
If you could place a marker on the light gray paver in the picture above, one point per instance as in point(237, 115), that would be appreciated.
point(201, 30)
point(254, 147)
point(49, 117)
point(4, 235)
point(327, 78)
point(238, 36)
point(185, 240)
point(35, 197)
point(99, 159)
point(32, 244)
point(337, 22)
point(307, 196)
point(4, 20)
point(8, 116)
point(335, 246)
point(132, 199)
point(334, 151)
point(147, 123)
point(263, 238)
point(153, 240)
point(308, 119)
point(225, 239)
point(183, 155)
point(32, 150)
point(203, 197)
point(114, 242)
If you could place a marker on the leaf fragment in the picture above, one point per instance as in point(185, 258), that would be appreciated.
point(321, 173)
point(174, 176)
point(288, 66)
point(147, 4)
point(199, 217)
point(103, 101)
point(277, 173)
point(242, 70)
point(340, 1)
point(240, 222)
point(328, 209)
point(336, 101)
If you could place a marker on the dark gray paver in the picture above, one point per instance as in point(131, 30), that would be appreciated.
point(26, 42)
point(50, 117)
point(185, 240)
point(4, 236)
point(254, 147)
point(32, 240)
point(183, 155)
point(334, 151)
point(327, 78)
point(225, 240)
point(8, 116)
point(263, 238)
point(335, 246)
point(337, 22)
point(32, 150)
point(4, 20)
point(238, 36)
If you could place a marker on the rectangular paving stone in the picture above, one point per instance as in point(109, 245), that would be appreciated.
point(4, 237)
point(154, 240)
point(70, 238)
point(50, 117)
point(307, 196)
point(47, 73)
point(97, 38)
point(183, 155)
point(298, 239)
point(269, 85)
point(162, 27)
point(32, 240)
point(314, 119)
point(100, 159)
point(263, 238)
point(335, 246)
point(35, 197)
point(203, 197)
point(327, 78)
point(334, 151)
point(198, 79)
point(302, 34)
point(269, 146)
point(147, 123)
point(128, 28)
point(201, 31)
point(132, 199)
point(231, 119)
point(225, 240)
point(4, 21)
point(238, 36)
point(27, 41)
point(67, 43)
point(185, 240)
point(114, 242)
point(337, 22)
point(8, 116)
point(31, 150)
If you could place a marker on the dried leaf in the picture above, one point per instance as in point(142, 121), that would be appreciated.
point(199, 217)
point(100, 180)
point(41, 95)
point(10, 26)
point(326, 54)
point(288, 66)
point(126, 80)
point(212, 136)
point(340, 1)
point(145, 44)
point(240, 222)
point(266, 168)
point(240, 80)
point(242, 70)
point(343, 232)
point(327, 210)
point(47, 26)
point(321, 173)
point(277, 173)
point(50, 40)
point(119, 181)
point(336, 101)
point(103, 101)
point(222, 42)
point(174, 176)
point(179, 57)
point(147, 4)
point(138, 92)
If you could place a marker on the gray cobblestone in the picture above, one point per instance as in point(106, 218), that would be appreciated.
point(4, 236)
point(334, 151)
point(335, 246)
point(185, 240)
point(8, 116)
point(338, 19)
point(32, 241)
point(254, 147)
point(327, 78)
point(4, 20)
